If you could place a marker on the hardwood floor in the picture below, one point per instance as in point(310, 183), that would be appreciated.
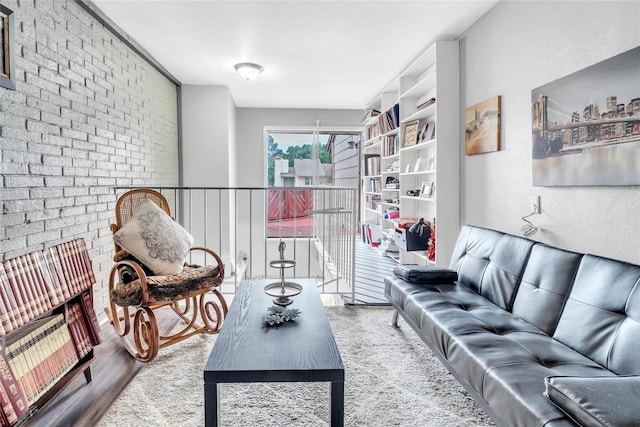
point(83, 404)
point(371, 269)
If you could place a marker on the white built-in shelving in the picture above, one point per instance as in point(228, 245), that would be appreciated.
point(427, 91)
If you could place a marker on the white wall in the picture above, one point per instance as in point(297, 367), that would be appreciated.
point(208, 127)
point(208, 153)
point(250, 122)
point(518, 46)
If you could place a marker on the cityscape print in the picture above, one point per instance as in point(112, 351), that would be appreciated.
point(586, 126)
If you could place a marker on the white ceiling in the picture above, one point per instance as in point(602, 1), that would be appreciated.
point(315, 54)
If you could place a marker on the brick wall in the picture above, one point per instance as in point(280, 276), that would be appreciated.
point(88, 114)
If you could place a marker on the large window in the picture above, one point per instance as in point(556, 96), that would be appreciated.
point(298, 159)
point(303, 158)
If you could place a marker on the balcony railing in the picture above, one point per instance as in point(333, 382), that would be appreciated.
point(245, 226)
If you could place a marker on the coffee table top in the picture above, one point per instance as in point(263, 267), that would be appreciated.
point(246, 350)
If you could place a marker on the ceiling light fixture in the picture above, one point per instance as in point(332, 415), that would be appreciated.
point(248, 71)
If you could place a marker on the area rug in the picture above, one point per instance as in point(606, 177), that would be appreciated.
point(391, 379)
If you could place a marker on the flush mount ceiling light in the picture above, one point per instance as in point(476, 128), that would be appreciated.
point(247, 70)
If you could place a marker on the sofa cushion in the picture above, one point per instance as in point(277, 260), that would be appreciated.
point(155, 239)
point(591, 403)
point(490, 263)
point(601, 318)
point(425, 274)
point(545, 284)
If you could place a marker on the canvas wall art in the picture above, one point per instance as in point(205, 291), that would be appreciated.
point(482, 127)
point(586, 126)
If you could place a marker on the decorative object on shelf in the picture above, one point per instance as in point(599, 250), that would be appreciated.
point(410, 134)
point(413, 193)
point(426, 188)
point(416, 167)
point(596, 143)
point(392, 183)
point(279, 315)
point(425, 104)
point(482, 127)
point(431, 163)
point(431, 250)
point(427, 131)
point(7, 44)
point(282, 291)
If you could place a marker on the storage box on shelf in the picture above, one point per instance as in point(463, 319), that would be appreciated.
point(426, 98)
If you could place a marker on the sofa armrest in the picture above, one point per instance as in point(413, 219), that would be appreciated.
point(597, 401)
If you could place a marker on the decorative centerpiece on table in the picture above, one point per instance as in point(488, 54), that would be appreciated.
point(279, 315)
point(282, 291)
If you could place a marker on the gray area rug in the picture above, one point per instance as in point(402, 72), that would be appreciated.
point(392, 379)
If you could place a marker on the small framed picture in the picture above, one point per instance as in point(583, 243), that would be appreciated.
point(408, 169)
point(426, 134)
point(410, 134)
point(426, 188)
point(416, 167)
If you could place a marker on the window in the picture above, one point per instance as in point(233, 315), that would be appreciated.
point(304, 158)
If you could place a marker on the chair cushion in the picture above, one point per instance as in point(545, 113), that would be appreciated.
point(155, 239)
point(167, 287)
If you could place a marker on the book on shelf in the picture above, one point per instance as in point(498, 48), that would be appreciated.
point(90, 318)
point(78, 272)
point(40, 354)
point(373, 131)
point(371, 164)
point(370, 113)
point(371, 233)
point(390, 145)
point(57, 285)
point(375, 185)
point(425, 104)
point(79, 330)
point(12, 398)
point(23, 306)
point(390, 119)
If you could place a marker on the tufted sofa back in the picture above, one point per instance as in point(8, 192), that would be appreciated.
point(589, 303)
point(490, 263)
point(601, 317)
point(546, 281)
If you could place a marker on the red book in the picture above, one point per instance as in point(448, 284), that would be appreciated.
point(40, 288)
point(13, 392)
point(8, 416)
point(19, 293)
point(79, 332)
point(56, 282)
point(90, 318)
point(68, 272)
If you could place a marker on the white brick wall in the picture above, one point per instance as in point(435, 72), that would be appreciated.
point(88, 114)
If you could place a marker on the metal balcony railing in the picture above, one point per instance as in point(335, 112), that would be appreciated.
point(245, 226)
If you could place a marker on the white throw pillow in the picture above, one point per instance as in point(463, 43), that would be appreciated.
point(155, 239)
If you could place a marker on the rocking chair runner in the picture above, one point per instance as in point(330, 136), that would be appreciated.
point(135, 293)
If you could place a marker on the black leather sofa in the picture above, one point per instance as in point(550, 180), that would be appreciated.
point(538, 336)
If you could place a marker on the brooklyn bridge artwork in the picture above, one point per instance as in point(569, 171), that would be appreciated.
point(586, 126)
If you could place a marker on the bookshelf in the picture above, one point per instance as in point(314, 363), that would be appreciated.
point(421, 153)
point(48, 329)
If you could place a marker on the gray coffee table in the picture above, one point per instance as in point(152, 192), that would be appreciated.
point(247, 351)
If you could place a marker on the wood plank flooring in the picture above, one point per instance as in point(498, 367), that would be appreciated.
point(371, 269)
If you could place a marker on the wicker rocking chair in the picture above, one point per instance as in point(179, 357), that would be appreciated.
point(135, 293)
